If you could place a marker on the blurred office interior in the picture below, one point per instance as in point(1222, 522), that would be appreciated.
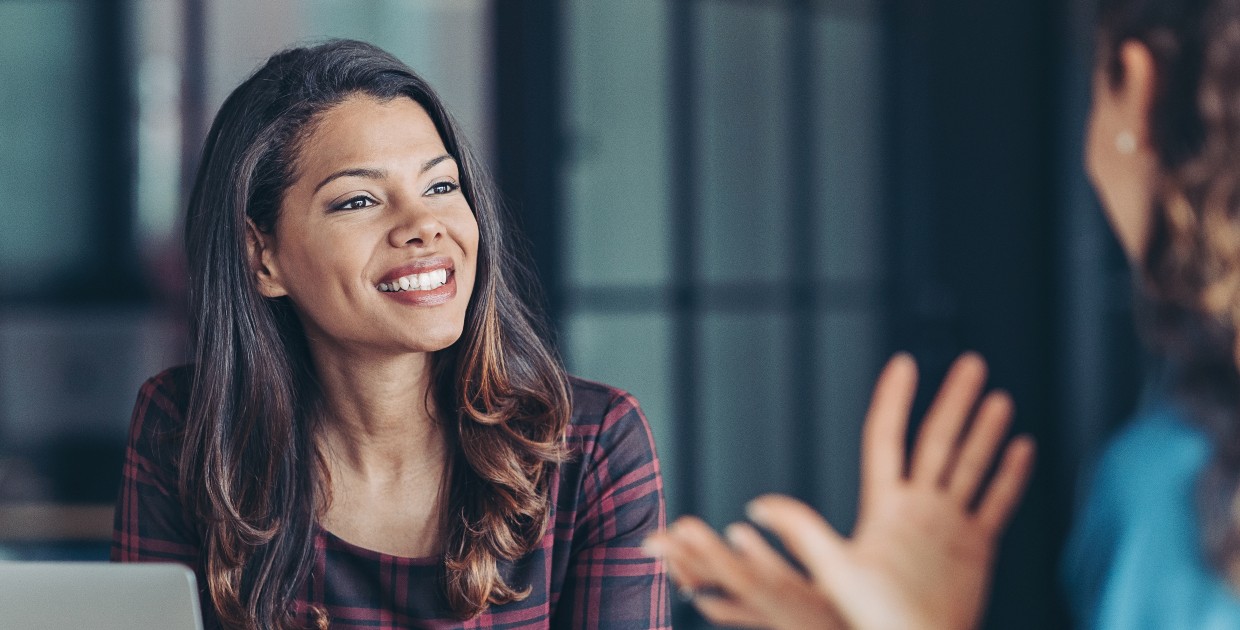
point(738, 208)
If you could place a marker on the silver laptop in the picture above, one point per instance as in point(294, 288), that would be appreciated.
point(98, 595)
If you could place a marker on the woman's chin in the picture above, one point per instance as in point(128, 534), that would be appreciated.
point(426, 343)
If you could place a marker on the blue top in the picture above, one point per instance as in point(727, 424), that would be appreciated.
point(1134, 558)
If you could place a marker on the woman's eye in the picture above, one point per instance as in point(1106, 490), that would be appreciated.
point(355, 203)
point(442, 188)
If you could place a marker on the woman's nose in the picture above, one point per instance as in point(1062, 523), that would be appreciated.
point(417, 226)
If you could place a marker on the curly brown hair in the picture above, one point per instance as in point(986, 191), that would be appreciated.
point(249, 467)
point(1190, 276)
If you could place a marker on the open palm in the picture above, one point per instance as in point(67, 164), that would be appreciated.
point(927, 528)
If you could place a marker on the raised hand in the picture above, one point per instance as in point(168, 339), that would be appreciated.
point(924, 545)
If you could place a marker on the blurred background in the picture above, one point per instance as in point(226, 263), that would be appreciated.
point(739, 209)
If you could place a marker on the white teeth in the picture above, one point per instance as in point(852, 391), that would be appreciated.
point(416, 282)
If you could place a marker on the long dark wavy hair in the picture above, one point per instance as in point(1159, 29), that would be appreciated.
point(1190, 276)
point(250, 470)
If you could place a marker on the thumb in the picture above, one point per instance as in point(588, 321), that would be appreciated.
point(808, 537)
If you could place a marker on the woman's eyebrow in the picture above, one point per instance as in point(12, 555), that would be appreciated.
point(378, 173)
point(435, 160)
point(368, 173)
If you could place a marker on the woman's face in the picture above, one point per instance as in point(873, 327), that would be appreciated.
point(1118, 156)
point(375, 243)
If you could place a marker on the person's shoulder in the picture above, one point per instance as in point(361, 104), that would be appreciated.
point(612, 453)
point(607, 416)
point(600, 404)
point(1158, 454)
point(1138, 530)
point(1160, 435)
point(173, 384)
point(160, 410)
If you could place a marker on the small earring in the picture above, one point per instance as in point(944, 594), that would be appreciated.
point(1126, 142)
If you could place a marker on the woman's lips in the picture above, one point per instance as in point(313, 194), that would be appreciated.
point(417, 267)
point(424, 281)
point(426, 297)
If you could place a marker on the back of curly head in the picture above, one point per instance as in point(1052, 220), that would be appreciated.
point(1190, 276)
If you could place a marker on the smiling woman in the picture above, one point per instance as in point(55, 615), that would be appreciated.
point(377, 205)
point(374, 429)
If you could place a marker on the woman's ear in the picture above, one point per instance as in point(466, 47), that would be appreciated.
point(262, 262)
point(1134, 95)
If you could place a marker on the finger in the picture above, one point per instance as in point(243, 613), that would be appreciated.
point(799, 606)
point(698, 562)
point(682, 567)
point(980, 447)
point(727, 612)
point(705, 559)
point(948, 413)
point(786, 598)
point(1009, 483)
point(886, 423)
point(807, 536)
point(682, 561)
point(768, 565)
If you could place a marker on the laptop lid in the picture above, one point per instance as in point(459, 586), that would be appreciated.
point(98, 595)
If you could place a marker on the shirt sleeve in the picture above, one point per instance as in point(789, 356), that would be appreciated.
point(150, 522)
point(610, 583)
point(1134, 558)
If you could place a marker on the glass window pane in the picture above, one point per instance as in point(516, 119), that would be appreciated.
point(849, 343)
point(848, 143)
point(46, 122)
point(157, 34)
point(445, 41)
point(746, 427)
point(743, 152)
point(618, 176)
point(448, 42)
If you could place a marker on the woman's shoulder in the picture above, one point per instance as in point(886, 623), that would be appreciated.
point(172, 384)
point(1144, 481)
point(598, 407)
point(1138, 531)
point(1158, 450)
point(159, 412)
point(607, 419)
point(592, 398)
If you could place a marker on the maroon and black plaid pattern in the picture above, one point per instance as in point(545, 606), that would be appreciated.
point(589, 571)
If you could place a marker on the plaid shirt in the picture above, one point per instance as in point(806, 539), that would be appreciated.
point(589, 571)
